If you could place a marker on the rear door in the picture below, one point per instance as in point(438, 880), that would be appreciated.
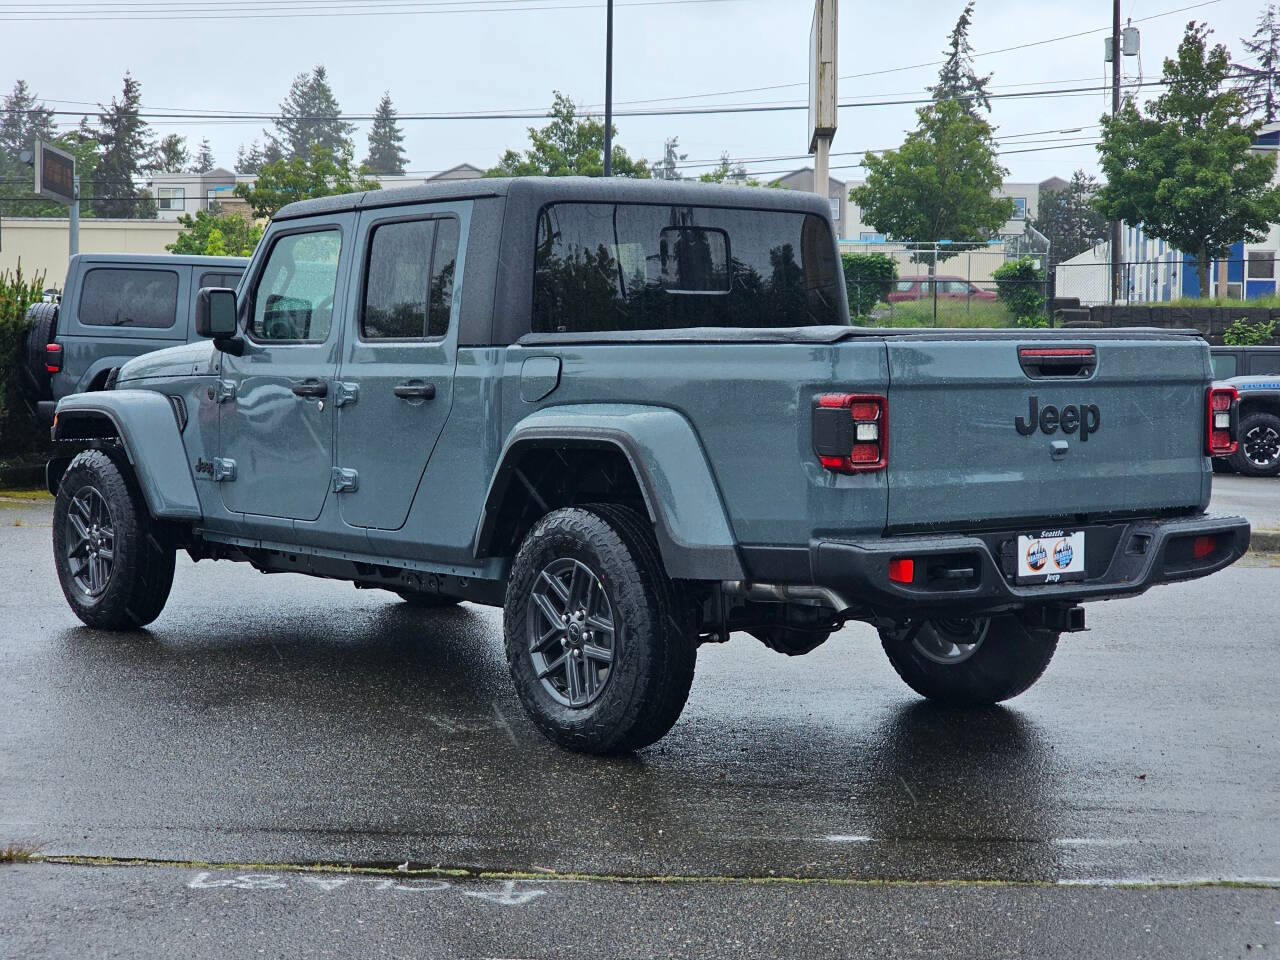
point(395, 386)
point(978, 435)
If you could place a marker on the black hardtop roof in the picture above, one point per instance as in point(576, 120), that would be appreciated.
point(543, 190)
point(164, 259)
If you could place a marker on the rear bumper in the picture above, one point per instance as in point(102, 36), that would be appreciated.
point(1124, 559)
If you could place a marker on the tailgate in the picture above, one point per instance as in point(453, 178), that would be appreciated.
point(979, 433)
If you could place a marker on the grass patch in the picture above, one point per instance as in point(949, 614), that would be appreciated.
point(919, 313)
point(25, 495)
point(18, 852)
point(1272, 302)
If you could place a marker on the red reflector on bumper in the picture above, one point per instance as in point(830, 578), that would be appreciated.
point(1203, 547)
point(902, 569)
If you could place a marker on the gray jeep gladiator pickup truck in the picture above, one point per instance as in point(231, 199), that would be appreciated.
point(636, 416)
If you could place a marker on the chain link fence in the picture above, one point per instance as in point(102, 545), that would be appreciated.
point(1165, 280)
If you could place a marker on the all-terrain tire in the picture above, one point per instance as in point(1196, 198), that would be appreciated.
point(654, 650)
point(133, 592)
point(427, 601)
point(1260, 434)
point(42, 327)
point(1009, 659)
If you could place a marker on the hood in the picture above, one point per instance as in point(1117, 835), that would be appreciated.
point(190, 359)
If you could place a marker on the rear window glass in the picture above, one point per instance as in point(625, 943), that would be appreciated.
point(129, 298)
point(602, 266)
point(227, 280)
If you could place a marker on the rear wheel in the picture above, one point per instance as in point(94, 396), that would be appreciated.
point(969, 661)
point(1258, 454)
point(596, 637)
point(114, 571)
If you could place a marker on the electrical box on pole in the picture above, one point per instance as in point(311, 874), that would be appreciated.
point(823, 89)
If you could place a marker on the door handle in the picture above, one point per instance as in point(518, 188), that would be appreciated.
point(415, 390)
point(311, 388)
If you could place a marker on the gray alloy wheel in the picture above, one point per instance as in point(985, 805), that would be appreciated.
point(569, 624)
point(950, 641)
point(90, 541)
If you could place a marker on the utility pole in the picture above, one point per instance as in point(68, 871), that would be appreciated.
point(608, 89)
point(1116, 60)
point(73, 224)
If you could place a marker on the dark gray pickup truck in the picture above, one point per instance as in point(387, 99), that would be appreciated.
point(636, 416)
point(114, 306)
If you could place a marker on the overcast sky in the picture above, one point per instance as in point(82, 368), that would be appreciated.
point(485, 60)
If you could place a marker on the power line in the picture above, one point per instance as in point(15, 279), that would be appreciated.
point(425, 9)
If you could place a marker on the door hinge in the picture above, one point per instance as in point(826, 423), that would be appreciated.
point(345, 481)
point(344, 393)
point(226, 390)
point(223, 469)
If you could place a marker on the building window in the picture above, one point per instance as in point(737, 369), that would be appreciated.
point(1262, 265)
point(835, 208)
point(867, 236)
point(1019, 208)
point(171, 198)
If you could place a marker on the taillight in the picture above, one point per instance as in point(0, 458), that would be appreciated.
point(53, 357)
point(1221, 404)
point(851, 432)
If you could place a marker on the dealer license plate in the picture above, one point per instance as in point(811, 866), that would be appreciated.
point(1051, 556)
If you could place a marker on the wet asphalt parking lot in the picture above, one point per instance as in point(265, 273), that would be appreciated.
point(191, 787)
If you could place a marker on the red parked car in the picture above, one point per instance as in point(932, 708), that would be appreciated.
point(949, 288)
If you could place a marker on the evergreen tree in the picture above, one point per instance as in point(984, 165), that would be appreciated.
point(1067, 218)
point(204, 161)
point(1259, 81)
point(669, 169)
point(250, 159)
point(309, 116)
point(23, 120)
point(957, 78)
point(170, 155)
point(125, 143)
point(386, 155)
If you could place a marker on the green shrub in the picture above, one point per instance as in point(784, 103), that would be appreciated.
point(868, 277)
point(1020, 287)
point(17, 427)
point(1032, 323)
point(1242, 333)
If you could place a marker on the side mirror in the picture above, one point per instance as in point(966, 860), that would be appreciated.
point(216, 313)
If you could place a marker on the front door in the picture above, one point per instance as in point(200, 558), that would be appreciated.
point(396, 378)
point(277, 416)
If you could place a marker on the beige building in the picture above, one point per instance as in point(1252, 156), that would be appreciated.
point(41, 242)
point(837, 195)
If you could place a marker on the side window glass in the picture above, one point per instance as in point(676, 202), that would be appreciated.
point(129, 298)
point(294, 297)
point(228, 280)
point(1264, 363)
point(396, 276)
point(443, 265)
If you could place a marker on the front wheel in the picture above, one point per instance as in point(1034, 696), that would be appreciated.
point(969, 662)
point(596, 638)
point(1258, 454)
point(114, 571)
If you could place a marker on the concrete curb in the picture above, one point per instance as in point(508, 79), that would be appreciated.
point(1264, 541)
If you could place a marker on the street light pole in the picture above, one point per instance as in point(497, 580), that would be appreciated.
point(1115, 109)
point(608, 90)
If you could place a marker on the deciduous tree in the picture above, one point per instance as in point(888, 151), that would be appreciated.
point(567, 146)
point(1183, 169)
point(321, 173)
point(215, 234)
